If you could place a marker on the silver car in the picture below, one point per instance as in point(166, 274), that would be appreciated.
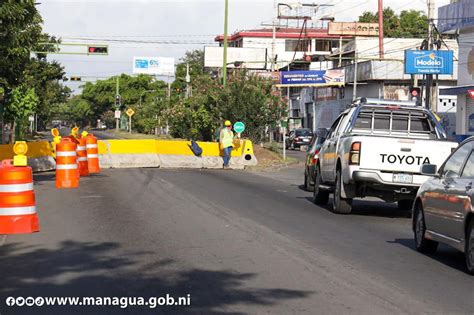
point(443, 210)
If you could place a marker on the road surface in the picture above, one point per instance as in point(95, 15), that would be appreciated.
point(237, 242)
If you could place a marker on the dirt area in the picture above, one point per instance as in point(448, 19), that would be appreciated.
point(269, 159)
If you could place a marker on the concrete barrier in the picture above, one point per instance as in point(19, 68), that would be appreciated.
point(144, 153)
point(128, 153)
point(40, 155)
point(171, 154)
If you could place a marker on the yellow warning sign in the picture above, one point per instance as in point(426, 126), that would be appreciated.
point(130, 112)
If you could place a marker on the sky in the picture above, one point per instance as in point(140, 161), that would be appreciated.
point(170, 28)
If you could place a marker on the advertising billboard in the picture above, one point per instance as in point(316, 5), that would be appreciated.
point(153, 65)
point(353, 29)
point(312, 78)
point(428, 61)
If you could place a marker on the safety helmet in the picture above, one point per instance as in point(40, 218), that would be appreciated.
point(227, 123)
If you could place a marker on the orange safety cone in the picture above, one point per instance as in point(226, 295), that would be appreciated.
point(92, 154)
point(17, 200)
point(82, 157)
point(66, 164)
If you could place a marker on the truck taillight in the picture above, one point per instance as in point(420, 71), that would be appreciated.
point(354, 154)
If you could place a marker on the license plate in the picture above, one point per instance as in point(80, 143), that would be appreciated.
point(305, 140)
point(403, 178)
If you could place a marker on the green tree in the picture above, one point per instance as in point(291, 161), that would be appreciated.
point(143, 93)
point(77, 111)
point(23, 103)
point(19, 34)
point(246, 98)
point(409, 24)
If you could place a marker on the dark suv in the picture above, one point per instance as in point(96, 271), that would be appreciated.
point(298, 138)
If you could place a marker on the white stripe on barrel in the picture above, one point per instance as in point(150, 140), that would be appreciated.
point(91, 146)
point(82, 159)
point(66, 166)
point(81, 148)
point(66, 153)
point(18, 210)
point(16, 188)
point(92, 156)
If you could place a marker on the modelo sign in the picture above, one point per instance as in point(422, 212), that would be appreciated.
point(428, 62)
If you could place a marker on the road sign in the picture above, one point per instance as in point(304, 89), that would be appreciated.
point(239, 127)
point(31, 118)
point(428, 61)
point(117, 114)
point(130, 112)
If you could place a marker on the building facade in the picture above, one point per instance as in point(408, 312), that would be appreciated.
point(458, 18)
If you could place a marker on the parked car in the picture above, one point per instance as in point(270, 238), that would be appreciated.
point(312, 157)
point(443, 210)
point(376, 148)
point(299, 137)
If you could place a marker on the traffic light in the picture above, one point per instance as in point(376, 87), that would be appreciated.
point(118, 101)
point(97, 50)
point(415, 95)
point(75, 78)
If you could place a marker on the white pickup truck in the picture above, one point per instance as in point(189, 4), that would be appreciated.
point(376, 148)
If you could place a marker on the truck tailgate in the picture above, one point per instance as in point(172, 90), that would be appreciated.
point(402, 155)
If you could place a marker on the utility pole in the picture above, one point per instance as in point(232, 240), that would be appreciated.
point(429, 77)
point(188, 80)
point(224, 64)
point(273, 65)
point(117, 95)
point(381, 35)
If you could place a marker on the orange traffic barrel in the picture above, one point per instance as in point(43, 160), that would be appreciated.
point(66, 164)
point(82, 157)
point(17, 200)
point(92, 154)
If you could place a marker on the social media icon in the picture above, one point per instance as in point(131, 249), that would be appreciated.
point(10, 301)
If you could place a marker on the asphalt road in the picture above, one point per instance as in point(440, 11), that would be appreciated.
point(237, 242)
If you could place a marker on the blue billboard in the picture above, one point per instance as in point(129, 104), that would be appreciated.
point(428, 62)
point(312, 77)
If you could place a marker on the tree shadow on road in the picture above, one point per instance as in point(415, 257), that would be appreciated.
point(445, 254)
point(102, 269)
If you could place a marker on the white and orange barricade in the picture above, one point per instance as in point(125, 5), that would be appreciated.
point(17, 200)
point(66, 164)
point(92, 154)
point(82, 157)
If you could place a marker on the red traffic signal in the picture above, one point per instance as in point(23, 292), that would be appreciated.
point(415, 95)
point(97, 50)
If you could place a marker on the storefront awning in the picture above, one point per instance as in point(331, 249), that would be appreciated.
point(456, 90)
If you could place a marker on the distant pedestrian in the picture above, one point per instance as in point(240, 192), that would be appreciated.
point(226, 141)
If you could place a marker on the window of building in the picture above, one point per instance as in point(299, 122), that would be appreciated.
point(298, 45)
point(323, 45)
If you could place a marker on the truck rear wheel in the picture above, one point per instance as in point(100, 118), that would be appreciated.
point(320, 197)
point(340, 205)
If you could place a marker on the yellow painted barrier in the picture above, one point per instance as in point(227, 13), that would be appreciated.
point(169, 147)
point(143, 153)
point(36, 149)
